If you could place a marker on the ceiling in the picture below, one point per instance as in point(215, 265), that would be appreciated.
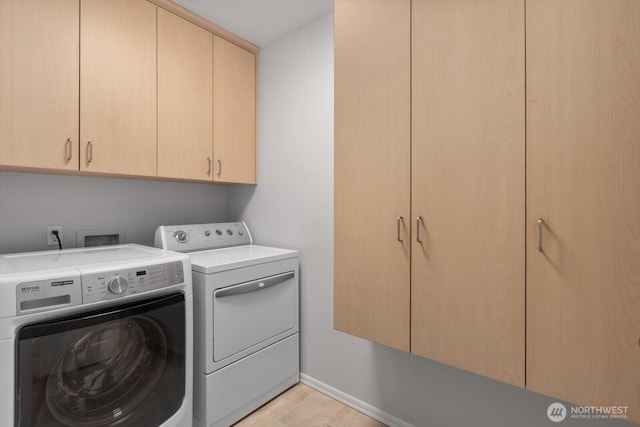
point(259, 21)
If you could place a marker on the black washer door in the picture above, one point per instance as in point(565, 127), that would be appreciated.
point(117, 367)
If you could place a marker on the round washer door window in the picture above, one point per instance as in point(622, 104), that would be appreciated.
point(107, 373)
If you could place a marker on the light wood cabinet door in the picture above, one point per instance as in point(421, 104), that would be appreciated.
point(234, 113)
point(185, 99)
point(468, 181)
point(39, 74)
point(118, 87)
point(583, 180)
point(372, 170)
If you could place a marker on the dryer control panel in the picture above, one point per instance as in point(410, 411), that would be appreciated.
point(200, 237)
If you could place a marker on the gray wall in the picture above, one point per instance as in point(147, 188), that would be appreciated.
point(30, 202)
point(293, 207)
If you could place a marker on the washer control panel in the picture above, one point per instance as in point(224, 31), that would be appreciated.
point(118, 283)
point(197, 237)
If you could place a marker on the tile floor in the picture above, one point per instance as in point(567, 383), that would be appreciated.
point(303, 406)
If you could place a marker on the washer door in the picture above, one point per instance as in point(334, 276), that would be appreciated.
point(104, 369)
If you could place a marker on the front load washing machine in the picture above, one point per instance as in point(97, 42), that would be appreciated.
point(96, 337)
point(246, 330)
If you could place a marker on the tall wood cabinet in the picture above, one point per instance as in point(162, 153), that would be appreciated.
point(372, 170)
point(39, 72)
point(417, 131)
point(471, 157)
point(583, 181)
point(467, 185)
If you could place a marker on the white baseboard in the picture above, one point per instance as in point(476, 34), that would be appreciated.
point(351, 401)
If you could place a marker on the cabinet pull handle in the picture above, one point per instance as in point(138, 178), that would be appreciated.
point(209, 163)
point(398, 221)
point(89, 152)
point(540, 224)
point(69, 149)
point(219, 167)
point(418, 221)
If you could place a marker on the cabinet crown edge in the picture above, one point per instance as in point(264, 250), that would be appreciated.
point(200, 21)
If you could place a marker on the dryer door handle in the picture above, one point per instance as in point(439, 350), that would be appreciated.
point(256, 285)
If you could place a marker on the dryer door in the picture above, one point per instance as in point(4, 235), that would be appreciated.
point(119, 366)
point(250, 313)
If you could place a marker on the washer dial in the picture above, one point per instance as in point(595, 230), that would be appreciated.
point(118, 285)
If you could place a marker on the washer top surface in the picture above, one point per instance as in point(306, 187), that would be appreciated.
point(216, 260)
point(47, 260)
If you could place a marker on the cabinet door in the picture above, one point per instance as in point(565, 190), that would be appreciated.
point(185, 99)
point(583, 175)
point(39, 74)
point(234, 112)
point(372, 170)
point(467, 270)
point(118, 86)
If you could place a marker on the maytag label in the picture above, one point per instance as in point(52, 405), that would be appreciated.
point(29, 288)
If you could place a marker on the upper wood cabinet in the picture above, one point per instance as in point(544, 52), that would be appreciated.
point(234, 112)
point(185, 101)
point(125, 87)
point(372, 170)
point(118, 86)
point(583, 177)
point(467, 185)
point(39, 72)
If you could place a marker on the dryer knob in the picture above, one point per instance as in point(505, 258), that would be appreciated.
point(118, 285)
point(181, 236)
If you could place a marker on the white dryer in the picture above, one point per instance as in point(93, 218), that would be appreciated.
point(96, 337)
point(246, 330)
